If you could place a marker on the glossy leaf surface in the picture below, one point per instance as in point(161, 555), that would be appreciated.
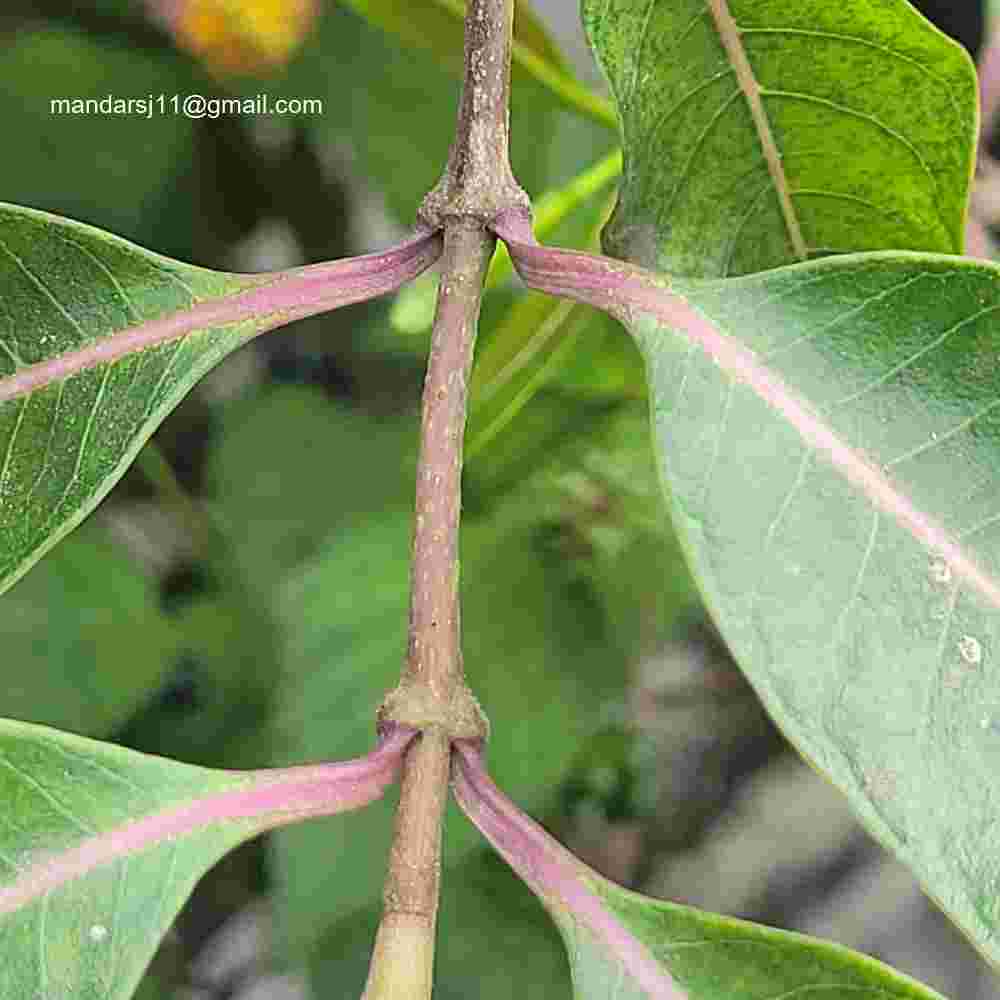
point(623, 946)
point(758, 134)
point(101, 846)
point(99, 340)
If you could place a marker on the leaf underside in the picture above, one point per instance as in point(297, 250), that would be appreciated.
point(715, 957)
point(94, 935)
point(623, 946)
point(101, 846)
point(827, 432)
point(858, 582)
point(100, 339)
point(62, 446)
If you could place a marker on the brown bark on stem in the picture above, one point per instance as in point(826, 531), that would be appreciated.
point(477, 185)
point(432, 693)
point(478, 182)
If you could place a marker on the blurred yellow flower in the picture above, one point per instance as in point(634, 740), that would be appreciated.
point(240, 36)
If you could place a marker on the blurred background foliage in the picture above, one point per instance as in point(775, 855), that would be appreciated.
point(240, 600)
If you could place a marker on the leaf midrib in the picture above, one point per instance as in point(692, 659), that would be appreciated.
point(627, 291)
point(732, 42)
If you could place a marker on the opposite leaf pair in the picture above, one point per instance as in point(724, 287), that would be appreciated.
point(127, 835)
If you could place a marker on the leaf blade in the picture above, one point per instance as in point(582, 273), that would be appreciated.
point(623, 945)
point(755, 122)
point(101, 846)
point(828, 436)
point(101, 340)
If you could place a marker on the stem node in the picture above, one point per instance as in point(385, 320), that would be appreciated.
point(476, 187)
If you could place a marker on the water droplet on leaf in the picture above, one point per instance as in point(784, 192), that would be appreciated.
point(940, 571)
point(971, 650)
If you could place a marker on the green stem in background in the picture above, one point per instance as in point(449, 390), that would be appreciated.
point(563, 326)
point(573, 94)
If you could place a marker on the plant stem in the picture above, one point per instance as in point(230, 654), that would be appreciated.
point(560, 83)
point(552, 207)
point(477, 185)
point(434, 655)
point(432, 693)
point(477, 182)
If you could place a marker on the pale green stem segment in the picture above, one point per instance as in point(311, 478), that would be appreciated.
point(571, 93)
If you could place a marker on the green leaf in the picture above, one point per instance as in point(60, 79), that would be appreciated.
point(839, 507)
point(99, 340)
point(714, 956)
point(70, 631)
point(101, 846)
point(757, 134)
point(623, 945)
point(828, 435)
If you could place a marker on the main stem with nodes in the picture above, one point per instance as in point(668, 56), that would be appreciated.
point(476, 187)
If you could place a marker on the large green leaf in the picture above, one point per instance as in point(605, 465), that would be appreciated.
point(757, 134)
point(100, 847)
point(828, 434)
point(99, 340)
point(836, 489)
point(623, 946)
point(70, 631)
